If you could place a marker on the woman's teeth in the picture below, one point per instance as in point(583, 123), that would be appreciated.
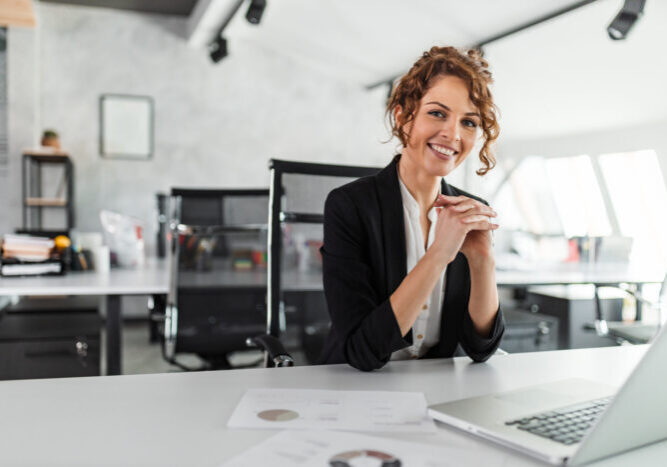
point(443, 150)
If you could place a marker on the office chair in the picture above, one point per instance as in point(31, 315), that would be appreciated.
point(298, 191)
point(215, 299)
point(635, 332)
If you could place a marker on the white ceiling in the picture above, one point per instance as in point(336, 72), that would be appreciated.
point(563, 76)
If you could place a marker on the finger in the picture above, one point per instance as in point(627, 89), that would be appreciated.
point(482, 225)
point(452, 199)
point(477, 208)
point(475, 218)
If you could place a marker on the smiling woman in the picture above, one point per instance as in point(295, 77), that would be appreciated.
point(407, 258)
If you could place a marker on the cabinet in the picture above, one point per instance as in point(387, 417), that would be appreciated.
point(50, 339)
point(48, 186)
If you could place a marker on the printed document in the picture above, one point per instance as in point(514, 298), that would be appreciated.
point(314, 409)
point(329, 448)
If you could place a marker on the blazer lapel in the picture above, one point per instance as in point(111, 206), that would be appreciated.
point(447, 190)
point(393, 228)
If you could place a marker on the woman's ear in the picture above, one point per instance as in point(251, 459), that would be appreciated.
point(403, 122)
point(398, 115)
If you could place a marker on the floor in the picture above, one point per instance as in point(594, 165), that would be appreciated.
point(140, 356)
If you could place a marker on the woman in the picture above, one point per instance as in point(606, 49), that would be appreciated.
point(408, 260)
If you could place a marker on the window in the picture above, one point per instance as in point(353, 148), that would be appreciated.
point(637, 190)
point(524, 203)
point(578, 197)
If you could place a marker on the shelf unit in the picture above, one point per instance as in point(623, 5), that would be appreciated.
point(34, 202)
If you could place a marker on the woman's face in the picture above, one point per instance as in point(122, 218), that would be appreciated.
point(444, 128)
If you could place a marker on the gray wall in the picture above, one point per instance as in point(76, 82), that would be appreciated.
point(215, 125)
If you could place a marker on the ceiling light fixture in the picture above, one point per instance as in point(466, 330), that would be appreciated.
point(626, 18)
point(218, 49)
point(255, 11)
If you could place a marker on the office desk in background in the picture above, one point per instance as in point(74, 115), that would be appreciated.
point(149, 280)
point(181, 418)
point(153, 279)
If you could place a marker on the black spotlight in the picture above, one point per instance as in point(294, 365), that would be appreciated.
point(218, 49)
point(625, 19)
point(255, 11)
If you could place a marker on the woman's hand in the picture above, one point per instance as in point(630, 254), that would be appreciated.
point(464, 224)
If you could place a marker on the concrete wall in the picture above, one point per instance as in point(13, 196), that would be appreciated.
point(216, 125)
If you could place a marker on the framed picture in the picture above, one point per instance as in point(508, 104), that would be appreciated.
point(126, 126)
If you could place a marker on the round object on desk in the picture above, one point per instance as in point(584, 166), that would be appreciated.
point(61, 242)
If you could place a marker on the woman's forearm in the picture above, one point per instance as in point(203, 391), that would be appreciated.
point(409, 298)
point(483, 303)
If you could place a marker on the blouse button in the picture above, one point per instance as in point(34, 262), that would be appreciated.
point(420, 336)
point(425, 307)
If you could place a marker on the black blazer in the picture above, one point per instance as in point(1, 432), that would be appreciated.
point(364, 260)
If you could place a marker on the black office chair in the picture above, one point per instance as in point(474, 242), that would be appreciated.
point(294, 282)
point(635, 332)
point(215, 300)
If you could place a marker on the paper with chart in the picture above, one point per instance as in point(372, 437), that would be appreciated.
point(306, 409)
point(338, 449)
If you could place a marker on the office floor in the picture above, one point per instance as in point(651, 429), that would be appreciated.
point(142, 357)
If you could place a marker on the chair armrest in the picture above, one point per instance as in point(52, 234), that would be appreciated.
point(276, 353)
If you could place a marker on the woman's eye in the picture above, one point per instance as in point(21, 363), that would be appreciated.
point(470, 123)
point(436, 113)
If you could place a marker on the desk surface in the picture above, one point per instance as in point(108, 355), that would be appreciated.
point(153, 278)
point(180, 419)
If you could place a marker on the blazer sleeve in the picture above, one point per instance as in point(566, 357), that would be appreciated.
point(364, 323)
point(477, 347)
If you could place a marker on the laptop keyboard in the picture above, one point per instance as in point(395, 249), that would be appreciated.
point(566, 425)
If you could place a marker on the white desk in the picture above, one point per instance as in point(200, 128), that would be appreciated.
point(180, 419)
point(602, 274)
point(153, 279)
point(149, 280)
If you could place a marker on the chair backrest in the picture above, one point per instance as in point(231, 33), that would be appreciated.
point(297, 194)
point(216, 298)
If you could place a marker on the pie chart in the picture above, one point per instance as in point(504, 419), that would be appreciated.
point(365, 457)
point(278, 415)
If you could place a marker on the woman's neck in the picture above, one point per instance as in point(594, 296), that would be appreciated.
point(423, 186)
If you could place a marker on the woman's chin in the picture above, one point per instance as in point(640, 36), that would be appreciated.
point(440, 168)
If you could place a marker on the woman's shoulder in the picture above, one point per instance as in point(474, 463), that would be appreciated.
point(362, 190)
point(359, 193)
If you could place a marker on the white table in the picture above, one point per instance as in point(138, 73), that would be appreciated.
point(601, 274)
point(152, 279)
point(180, 418)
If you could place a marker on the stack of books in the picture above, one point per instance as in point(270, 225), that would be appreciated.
point(26, 255)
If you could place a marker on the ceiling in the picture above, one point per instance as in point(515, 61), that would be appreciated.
point(166, 7)
point(562, 76)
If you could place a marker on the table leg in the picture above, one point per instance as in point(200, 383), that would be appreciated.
point(638, 303)
point(114, 335)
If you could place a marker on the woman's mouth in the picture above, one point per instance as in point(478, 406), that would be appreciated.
point(442, 152)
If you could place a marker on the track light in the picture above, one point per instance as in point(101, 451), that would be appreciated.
point(218, 49)
point(625, 19)
point(255, 11)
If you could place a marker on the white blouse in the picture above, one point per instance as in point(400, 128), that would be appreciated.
point(426, 329)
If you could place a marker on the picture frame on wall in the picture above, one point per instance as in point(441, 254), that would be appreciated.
point(126, 126)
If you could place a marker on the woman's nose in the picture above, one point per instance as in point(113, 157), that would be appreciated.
point(450, 130)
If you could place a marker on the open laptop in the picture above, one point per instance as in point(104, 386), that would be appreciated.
point(572, 421)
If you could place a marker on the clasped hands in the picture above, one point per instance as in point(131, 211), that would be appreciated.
point(464, 225)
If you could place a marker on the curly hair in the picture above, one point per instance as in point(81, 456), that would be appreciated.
point(470, 66)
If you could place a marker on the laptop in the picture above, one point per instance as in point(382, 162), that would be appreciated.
point(572, 421)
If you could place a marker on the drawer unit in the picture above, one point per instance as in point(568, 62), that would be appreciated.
point(49, 344)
